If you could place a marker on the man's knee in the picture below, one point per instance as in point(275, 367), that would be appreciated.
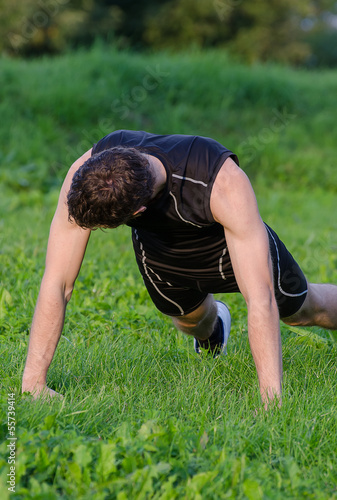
point(184, 322)
point(200, 321)
point(297, 319)
point(192, 320)
point(308, 313)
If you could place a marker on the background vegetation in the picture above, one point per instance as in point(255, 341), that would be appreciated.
point(293, 31)
point(55, 109)
point(143, 417)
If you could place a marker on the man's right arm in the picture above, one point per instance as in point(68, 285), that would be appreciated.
point(66, 247)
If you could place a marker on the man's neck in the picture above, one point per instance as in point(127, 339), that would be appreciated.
point(159, 172)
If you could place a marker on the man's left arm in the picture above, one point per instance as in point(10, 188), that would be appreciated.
point(233, 204)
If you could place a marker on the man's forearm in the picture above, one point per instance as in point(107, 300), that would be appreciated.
point(265, 343)
point(45, 333)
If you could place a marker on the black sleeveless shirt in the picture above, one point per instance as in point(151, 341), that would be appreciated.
point(178, 226)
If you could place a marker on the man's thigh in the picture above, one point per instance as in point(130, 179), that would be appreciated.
point(177, 291)
point(179, 283)
point(290, 284)
point(170, 298)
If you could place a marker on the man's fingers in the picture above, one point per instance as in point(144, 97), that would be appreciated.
point(44, 393)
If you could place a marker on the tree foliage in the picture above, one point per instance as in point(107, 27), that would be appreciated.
point(256, 31)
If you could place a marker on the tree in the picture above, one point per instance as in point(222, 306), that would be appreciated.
point(272, 30)
point(256, 30)
point(50, 26)
point(259, 30)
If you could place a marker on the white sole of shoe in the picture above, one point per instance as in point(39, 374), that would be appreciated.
point(225, 316)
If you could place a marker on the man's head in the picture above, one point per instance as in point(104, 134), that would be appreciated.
point(110, 188)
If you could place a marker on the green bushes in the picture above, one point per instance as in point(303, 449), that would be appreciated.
point(279, 121)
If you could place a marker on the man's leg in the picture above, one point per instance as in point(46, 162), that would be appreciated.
point(209, 324)
point(199, 323)
point(318, 309)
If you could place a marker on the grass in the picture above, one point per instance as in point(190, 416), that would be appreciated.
point(144, 417)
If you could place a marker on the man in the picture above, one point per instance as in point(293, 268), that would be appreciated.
point(196, 231)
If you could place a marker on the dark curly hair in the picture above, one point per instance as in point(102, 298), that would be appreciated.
point(109, 188)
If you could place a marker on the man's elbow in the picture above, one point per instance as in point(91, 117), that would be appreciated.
point(55, 288)
point(68, 291)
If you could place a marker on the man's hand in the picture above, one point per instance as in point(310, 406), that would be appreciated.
point(41, 391)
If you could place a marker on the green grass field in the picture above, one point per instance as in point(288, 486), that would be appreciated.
point(143, 417)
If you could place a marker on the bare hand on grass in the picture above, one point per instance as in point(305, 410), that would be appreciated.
point(43, 392)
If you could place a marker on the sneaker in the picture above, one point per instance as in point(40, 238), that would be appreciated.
point(217, 345)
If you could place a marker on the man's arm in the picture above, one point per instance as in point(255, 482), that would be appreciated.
point(233, 204)
point(66, 247)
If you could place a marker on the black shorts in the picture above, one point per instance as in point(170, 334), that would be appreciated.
point(176, 292)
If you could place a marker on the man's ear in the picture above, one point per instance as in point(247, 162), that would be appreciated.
point(140, 210)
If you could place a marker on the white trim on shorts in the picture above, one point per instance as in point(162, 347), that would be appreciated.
point(279, 271)
point(222, 274)
point(147, 269)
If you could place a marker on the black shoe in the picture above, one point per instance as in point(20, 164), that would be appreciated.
point(216, 344)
